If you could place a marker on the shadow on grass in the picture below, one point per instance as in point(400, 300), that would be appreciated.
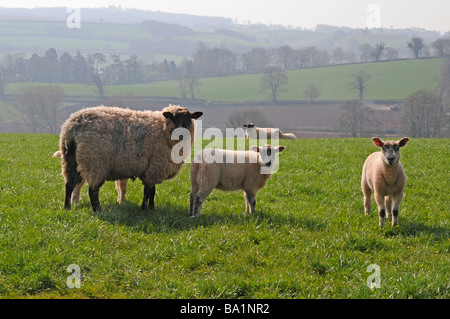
point(165, 219)
point(417, 228)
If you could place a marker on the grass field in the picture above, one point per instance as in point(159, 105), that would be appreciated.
point(393, 80)
point(308, 238)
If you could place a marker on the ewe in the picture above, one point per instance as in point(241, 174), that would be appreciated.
point(230, 170)
point(109, 143)
point(383, 174)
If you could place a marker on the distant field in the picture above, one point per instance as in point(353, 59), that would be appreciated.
point(308, 238)
point(393, 80)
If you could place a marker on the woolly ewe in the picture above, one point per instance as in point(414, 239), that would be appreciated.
point(109, 143)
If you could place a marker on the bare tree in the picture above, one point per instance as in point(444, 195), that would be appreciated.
point(237, 119)
point(416, 45)
point(36, 106)
point(274, 80)
point(311, 93)
point(422, 114)
point(378, 51)
point(359, 84)
point(356, 118)
point(188, 83)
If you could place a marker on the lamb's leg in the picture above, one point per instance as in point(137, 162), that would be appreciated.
point(93, 195)
point(388, 205)
point(396, 205)
point(192, 196)
point(381, 208)
point(149, 196)
point(201, 196)
point(251, 201)
point(121, 186)
point(76, 192)
point(367, 198)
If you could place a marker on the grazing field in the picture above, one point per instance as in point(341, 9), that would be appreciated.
point(308, 238)
point(392, 80)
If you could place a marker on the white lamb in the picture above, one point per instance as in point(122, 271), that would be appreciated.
point(253, 132)
point(383, 174)
point(230, 170)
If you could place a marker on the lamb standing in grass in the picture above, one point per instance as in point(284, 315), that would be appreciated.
point(230, 170)
point(383, 174)
point(110, 143)
point(253, 132)
point(121, 186)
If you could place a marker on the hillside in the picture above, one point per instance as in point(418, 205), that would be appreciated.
point(392, 80)
point(112, 31)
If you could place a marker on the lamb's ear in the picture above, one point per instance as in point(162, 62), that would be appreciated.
point(377, 141)
point(281, 148)
point(403, 142)
point(168, 115)
point(255, 149)
point(196, 115)
point(245, 125)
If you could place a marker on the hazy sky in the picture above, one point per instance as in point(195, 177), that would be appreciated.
point(428, 14)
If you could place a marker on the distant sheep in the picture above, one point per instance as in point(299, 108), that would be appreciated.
point(230, 170)
point(383, 174)
point(253, 132)
point(110, 143)
point(121, 186)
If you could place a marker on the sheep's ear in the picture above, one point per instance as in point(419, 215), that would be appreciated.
point(403, 142)
point(196, 115)
point(255, 149)
point(281, 148)
point(168, 115)
point(377, 141)
point(245, 125)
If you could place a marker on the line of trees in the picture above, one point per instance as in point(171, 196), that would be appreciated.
point(101, 69)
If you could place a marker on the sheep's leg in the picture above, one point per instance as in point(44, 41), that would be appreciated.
point(367, 198)
point(396, 205)
point(93, 195)
point(121, 186)
point(247, 203)
point(199, 199)
point(149, 196)
point(379, 198)
point(76, 192)
point(388, 205)
point(73, 177)
point(250, 199)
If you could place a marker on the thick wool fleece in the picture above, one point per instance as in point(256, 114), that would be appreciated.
point(115, 143)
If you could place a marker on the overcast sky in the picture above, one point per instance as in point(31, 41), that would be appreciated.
point(428, 14)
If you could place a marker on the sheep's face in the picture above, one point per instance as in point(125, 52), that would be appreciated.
point(390, 150)
point(267, 154)
point(181, 118)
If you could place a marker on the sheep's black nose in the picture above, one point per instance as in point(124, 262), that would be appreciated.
point(269, 163)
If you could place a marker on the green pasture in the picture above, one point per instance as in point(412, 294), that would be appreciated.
point(393, 80)
point(308, 238)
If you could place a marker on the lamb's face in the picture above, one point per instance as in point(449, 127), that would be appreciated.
point(268, 154)
point(390, 150)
